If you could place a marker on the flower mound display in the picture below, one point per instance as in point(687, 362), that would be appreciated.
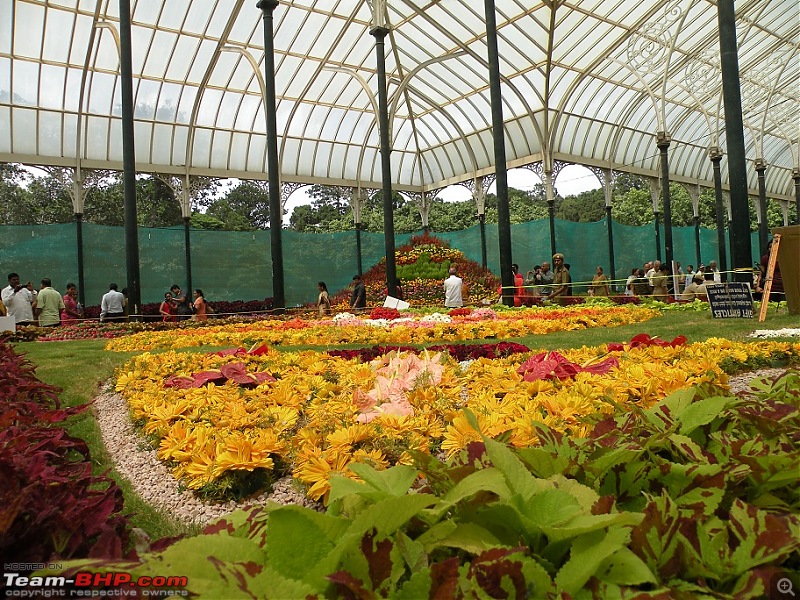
point(422, 266)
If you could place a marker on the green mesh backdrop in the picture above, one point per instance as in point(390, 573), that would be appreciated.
point(234, 265)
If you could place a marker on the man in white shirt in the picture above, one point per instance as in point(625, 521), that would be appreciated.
point(712, 266)
point(655, 268)
point(452, 290)
point(18, 301)
point(112, 306)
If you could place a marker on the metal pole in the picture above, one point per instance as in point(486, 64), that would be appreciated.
point(761, 168)
point(742, 257)
point(188, 247)
point(129, 159)
point(663, 146)
point(610, 224)
point(657, 220)
point(358, 248)
point(715, 154)
point(79, 234)
point(796, 178)
point(551, 215)
point(498, 133)
point(273, 173)
point(698, 256)
point(482, 224)
point(386, 160)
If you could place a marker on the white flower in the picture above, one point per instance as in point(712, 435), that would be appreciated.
point(436, 318)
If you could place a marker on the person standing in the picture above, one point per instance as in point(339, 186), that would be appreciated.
point(183, 307)
point(200, 306)
point(715, 273)
point(18, 301)
point(112, 306)
point(73, 311)
point(652, 272)
point(545, 279)
point(660, 283)
point(688, 277)
point(519, 285)
point(452, 289)
point(561, 280)
point(599, 284)
point(167, 309)
point(358, 297)
point(323, 300)
point(629, 282)
point(49, 305)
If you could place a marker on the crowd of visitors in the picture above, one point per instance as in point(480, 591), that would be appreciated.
point(46, 307)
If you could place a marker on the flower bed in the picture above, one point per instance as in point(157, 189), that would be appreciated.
point(349, 329)
point(312, 414)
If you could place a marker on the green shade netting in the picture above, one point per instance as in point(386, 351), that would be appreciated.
point(236, 265)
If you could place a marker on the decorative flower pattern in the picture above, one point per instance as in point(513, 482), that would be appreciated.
point(317, 413)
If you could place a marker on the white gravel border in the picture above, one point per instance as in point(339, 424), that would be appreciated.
point(771, 333)
point(135, 460)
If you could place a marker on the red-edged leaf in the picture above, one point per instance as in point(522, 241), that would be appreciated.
point(206, 377)
point(263, 377)
point(180, 382)
point(237, 372)
point(379, 558)
point(444, 580)
point(263, 349)
point(602, 367)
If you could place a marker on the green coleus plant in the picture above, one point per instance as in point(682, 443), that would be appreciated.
point(694, 497)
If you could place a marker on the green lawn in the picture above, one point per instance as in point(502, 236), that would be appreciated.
point(80, 368)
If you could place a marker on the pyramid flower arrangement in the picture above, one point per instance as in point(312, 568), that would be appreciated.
point(422, 267)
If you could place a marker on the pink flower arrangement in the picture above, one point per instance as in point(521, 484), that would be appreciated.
point(396, 375)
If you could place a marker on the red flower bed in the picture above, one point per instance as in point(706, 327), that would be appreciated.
point(458, 351)
point(379, 312)
point(51, 506)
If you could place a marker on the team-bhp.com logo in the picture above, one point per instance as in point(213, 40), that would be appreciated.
point(85, 584)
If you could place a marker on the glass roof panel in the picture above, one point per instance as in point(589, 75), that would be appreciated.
point(28, 30)
point(590, 72)
point(57, 47)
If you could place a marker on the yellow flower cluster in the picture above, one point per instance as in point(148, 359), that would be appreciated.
point(308, 417)
point(531, 321)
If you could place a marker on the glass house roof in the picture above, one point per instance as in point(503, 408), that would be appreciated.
point(589, 82)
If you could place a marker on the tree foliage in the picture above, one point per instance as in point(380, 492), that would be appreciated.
point(26, 199)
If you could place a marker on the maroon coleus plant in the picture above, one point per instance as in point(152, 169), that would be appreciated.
point(51, 506)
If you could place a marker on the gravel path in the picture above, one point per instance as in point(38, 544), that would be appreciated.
point(153, 481)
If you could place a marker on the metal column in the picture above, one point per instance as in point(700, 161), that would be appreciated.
point(715, 154)
point(273, 173)
point(379, 33)
point(129, 160)
point(663, 145)
point(742, 256)
point(498, 133)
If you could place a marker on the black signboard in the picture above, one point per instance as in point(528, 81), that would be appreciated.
point(730, 300)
